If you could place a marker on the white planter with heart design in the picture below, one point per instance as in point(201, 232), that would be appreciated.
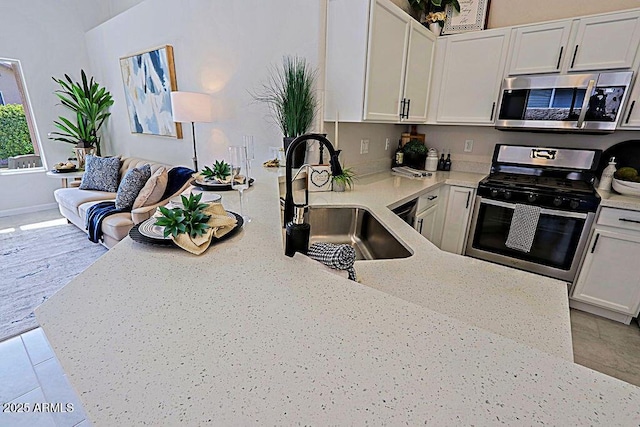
point(319, 178)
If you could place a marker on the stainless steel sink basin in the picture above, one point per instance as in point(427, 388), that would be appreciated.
point(357, 227)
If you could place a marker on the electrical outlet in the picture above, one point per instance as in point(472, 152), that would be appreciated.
point(364, 146)
point(468, 145)
point(386, 144)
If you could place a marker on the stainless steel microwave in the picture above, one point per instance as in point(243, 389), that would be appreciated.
point(565, 103)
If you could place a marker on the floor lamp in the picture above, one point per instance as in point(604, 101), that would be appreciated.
point(191, 107)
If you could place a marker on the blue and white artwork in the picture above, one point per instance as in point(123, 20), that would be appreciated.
point(149, 78)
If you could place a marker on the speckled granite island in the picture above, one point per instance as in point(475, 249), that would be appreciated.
point(245, 335)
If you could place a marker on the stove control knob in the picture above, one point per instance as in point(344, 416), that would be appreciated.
point(507, 194)
point(573, 204)
point(532, 197)
point(557, 201)
point(494, 192)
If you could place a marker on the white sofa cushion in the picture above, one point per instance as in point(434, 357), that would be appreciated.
point(72, 198)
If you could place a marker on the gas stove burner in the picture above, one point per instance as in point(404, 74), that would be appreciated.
point(519, 179)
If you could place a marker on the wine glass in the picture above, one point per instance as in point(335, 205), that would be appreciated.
point(239, 173)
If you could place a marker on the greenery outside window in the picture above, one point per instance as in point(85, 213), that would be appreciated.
point(19, 145)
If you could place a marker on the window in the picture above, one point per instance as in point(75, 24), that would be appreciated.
point(19, 144)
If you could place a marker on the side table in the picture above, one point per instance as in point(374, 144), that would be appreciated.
point(64, 176)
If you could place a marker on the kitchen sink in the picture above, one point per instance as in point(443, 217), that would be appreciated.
point(357, 227)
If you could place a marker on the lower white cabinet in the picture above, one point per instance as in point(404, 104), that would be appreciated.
point(609, 277)
point(457, 217)
point(426, 224)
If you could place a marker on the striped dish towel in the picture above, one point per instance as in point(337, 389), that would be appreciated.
point(523, 227)
point(338, 257)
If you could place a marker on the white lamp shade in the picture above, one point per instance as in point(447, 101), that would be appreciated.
point(191, 107)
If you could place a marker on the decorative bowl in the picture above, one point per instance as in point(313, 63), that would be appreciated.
point(627, 188)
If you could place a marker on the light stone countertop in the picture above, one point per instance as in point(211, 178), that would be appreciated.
point(245, 335)
point(614, 200)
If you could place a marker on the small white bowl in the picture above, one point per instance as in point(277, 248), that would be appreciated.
point(626, 187)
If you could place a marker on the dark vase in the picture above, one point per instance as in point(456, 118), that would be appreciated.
point(298, 154)
point(416, 161)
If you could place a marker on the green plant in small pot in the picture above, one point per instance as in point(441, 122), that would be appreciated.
point(221, 172)
point(289, 92)
point(190, 219)
point(89, 104)
point(433, 10)
point(415, 154)
point(343, 181)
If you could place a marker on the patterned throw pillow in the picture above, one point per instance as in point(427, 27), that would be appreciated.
point(101, 173)
point(131, 185)
point(153, 190)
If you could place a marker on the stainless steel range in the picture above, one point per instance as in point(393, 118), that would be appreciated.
point(535, 209)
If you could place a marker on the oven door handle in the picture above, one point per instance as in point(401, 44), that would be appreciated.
point(544, 211)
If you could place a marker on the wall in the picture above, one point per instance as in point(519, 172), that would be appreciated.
point(221, 48)
point(484, 139)
point(504, 13)
point(48, 38)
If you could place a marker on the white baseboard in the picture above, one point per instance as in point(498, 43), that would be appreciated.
point(28, 209)
point(602, 312)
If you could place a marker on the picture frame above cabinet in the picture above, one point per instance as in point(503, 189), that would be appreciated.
point(378, 63)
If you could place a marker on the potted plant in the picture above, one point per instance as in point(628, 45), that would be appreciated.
point(344, 180)
point(434, 12)
point(289, 93)
point(415, 154)
point(89, 104)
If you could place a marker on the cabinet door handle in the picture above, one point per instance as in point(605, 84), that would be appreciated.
point(420, 221)
point(432, 197)
point(468, 198)
point(633, 104)
point(408, 108)
point(593, 248)
point(493, 110)
point(560, 57)
point(629, 220)
point(402, 109)
point(575, 52)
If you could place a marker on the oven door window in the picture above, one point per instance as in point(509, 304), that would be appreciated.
point(555, 241)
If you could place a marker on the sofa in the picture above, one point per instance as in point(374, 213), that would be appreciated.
point(74, 203)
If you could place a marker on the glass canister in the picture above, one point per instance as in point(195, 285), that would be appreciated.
point(432, 160)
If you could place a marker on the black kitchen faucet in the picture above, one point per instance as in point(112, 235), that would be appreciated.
point(336, 169)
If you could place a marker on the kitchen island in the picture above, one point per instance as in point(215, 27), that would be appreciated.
point(245, 335)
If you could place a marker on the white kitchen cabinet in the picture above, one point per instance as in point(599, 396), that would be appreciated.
point(430, 216)
point(426, 223)
point(608, 279)
point(457, 217)
point(470, 77)
point(605, 42)
point(539, 48)
point(378, 63)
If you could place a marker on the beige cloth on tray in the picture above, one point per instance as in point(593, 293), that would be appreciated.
point(219, 224)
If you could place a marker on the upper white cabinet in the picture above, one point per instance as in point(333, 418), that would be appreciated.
point(539, 48)
point(378, 64)
point(605, 42)
point(470, 76)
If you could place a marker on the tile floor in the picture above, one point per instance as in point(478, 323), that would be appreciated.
point(606, 346)
point(31, 375)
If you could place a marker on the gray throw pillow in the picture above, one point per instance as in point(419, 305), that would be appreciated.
point(131, 185)
point(101, 173)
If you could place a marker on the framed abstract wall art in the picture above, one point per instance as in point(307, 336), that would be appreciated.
point(149, 77)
